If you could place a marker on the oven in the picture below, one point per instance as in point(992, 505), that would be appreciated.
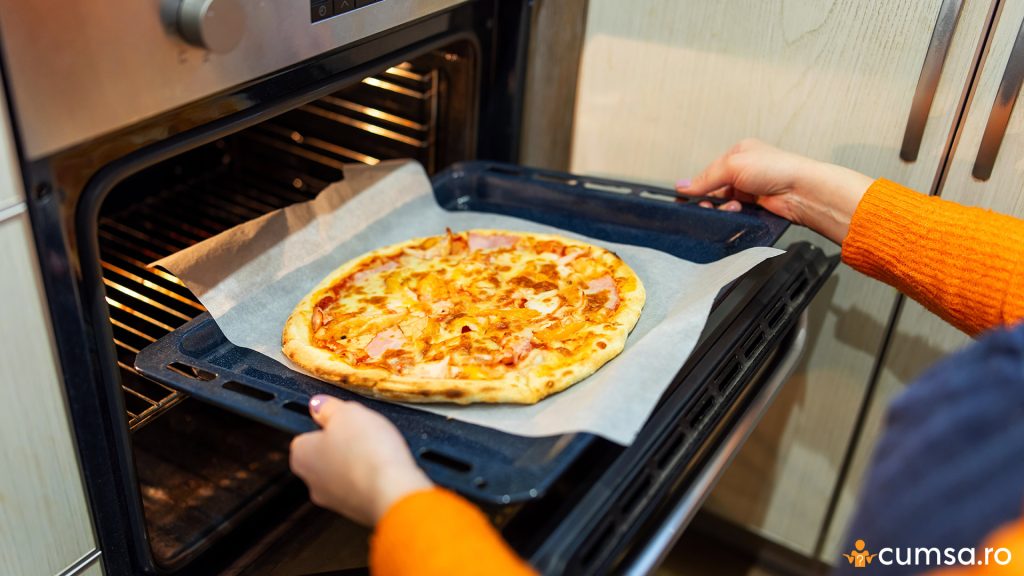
point(146, 127)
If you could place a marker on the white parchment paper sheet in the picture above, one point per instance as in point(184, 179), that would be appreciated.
point(252, 276)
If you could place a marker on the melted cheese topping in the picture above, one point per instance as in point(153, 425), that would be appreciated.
point(473, 305)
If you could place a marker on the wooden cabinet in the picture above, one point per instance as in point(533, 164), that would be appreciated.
point(11, 192)
point(44, 517)
point(920, 338)
point(666, 85)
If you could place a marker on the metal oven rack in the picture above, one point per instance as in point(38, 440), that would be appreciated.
point(392, 114)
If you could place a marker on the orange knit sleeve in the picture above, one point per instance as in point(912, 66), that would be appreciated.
point(964, 264)
point(435, 532)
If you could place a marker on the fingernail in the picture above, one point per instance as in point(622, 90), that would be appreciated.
point(705, 204)
point(684, 183)
point(316, 403)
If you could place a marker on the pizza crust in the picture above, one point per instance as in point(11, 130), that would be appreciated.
point(520, 387)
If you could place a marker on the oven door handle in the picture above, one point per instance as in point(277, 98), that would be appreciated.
point(931, 73)
point(655, 550)
point(1002, 107)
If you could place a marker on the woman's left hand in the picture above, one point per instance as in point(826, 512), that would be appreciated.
point(358, 464)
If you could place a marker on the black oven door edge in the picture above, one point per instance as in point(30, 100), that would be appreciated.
point(659, 541)
point(644, 499)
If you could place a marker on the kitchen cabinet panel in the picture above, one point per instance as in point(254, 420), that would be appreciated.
point(667, 85)
point(921, 338)
point(11, 189)
point(44, 516)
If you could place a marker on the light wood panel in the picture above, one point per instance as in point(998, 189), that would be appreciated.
point(920, 338)
point(667, 85)
point(44, 517)
point(553, 64)
point(11, 190)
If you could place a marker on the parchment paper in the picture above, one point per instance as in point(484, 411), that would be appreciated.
point(252, 276)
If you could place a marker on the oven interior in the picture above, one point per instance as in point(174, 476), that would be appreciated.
point(201, 470)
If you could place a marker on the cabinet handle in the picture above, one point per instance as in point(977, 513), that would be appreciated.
point(1009, 87)
point(928, 82)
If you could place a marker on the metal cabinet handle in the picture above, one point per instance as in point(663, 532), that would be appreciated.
point(928, 82)
point(998, 119)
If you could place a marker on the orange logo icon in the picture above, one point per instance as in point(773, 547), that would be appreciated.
point(859, 557)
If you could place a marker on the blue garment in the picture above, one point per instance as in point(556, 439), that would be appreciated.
point(949, 468)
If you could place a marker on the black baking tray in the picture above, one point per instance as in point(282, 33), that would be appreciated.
point(484, 464)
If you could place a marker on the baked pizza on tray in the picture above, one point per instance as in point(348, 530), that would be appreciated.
point(476, 316)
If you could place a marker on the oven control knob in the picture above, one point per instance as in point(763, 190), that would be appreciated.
point(217, 25)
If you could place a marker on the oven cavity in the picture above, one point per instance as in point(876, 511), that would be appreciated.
point(286, 160)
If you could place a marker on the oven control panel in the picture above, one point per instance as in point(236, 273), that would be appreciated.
point(324, 9)
point(80, 68)
point(215, 25)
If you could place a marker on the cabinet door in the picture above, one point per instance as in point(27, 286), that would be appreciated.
point(667, 85)
point(919, 337)
point(44, 518)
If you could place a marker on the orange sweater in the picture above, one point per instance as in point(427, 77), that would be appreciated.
point(964, 264)
point(436, 533)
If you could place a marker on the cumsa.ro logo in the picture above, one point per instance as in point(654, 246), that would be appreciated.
point(861, 557)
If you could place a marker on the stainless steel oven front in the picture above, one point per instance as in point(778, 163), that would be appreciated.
point(145, 127)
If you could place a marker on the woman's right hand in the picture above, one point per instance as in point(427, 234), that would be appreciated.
point(815, 194)
point(358, 464)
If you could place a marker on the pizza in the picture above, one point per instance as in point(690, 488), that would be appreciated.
point(476, 316)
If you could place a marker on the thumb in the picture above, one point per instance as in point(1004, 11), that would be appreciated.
point(323, 408)
point(718, 174)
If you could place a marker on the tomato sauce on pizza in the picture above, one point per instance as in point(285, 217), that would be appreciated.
point(475, 316)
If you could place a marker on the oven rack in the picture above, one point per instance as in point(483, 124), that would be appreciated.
point(390, 115)
point(146, 302)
